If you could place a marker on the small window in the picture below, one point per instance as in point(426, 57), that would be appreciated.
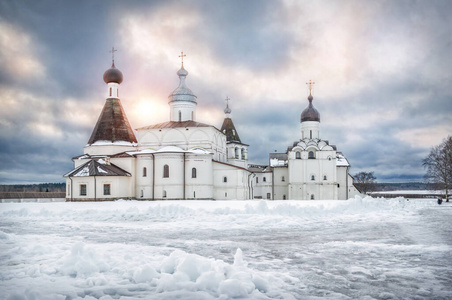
point(283, 179)
point(165, 171)
point(268, 195)
point(106, 189)
point(180, 116)
point(312, 177)
point(265, 179)
point(83, 190)
point(164, 194)
point(338, 185)
point(284, 197)
point(298, 155)
point(257, 179)
point(312, 196)
point(310, 134)
point(141, 194)
point(110, 92)
point(311, 155)
point(144, 172)
point(193, 173)
point(194, 194)
point(225, 179)
point(324, 177)
point(225, 194)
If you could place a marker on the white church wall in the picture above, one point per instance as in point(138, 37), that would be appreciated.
point(235, 186)
point(199, 177)
point(144, 177)
point(170, 187)
point(281, 181)
point(119, 187)
point(262, 186)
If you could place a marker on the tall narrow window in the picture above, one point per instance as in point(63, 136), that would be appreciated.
point(298, 155)
point(83, 190)
point(312, 177)
point(180, 116)
point(165, 171)
point(225, 179)
point(268, 195)
point(265, 179)
point(110, 92)
point(106, 189)
point(284, 197)
point(164, 194)
point(194, 194)
point(193, 173)
point(311, 155)
point(310, 133)
point(243, 153)
point(145, 172)
point(312, 196)
point(141, 194)
point(283, 179)
point(257, 179)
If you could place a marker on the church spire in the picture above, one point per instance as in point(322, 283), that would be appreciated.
point(182, 101)
point(112, 125)
point(227, 110)
point(228, 127)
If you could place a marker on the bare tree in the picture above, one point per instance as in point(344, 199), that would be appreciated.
point(365, 181)
point(439, 166)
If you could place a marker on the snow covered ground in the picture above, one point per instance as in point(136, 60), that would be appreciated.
point(360, 248)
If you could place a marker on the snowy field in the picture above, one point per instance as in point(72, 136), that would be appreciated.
point(356, 249)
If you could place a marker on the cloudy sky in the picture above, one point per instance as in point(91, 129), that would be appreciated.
point(382, 71)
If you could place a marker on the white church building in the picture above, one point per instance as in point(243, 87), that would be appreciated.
point(185, 159)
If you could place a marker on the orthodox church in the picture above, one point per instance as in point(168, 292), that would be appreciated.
point(185, 159)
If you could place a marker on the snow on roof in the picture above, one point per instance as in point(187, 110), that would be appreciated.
point(341, 161)
point(170, 149)
point(95, 168)
point(110, 143)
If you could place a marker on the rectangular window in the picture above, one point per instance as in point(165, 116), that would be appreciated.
point(106, 189)
point(83, 190)
point(268, 195)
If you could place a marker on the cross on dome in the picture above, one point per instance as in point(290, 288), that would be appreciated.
point(182, 55)
point(112, 51)
point(310, 85)
point(227, 110)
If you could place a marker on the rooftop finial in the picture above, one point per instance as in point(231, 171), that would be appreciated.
point(310, 85)
point(182, 55)
point(227, 110)
point(112, 51)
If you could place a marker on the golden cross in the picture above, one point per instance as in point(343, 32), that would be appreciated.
point(310, 83)
point(182, 55)
point(113, 50)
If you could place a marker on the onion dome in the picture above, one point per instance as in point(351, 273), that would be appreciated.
point(113, 75)
point(227, 110)
point(182, 92)
point(310, 113)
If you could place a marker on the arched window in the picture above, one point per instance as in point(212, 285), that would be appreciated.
point(298, 155)
point(180, 116)
point(284, 197)
point(312, 196)
point(312, 177)
point(283, 179)
point(243, 153)
point(324, 177)
point(311, 155)
point(193, 173)
point(265, 179)
point(236, 153)
point(225, 179)
point(110, 92)
point(145, 172)
point(165, 171)
point(310, 134)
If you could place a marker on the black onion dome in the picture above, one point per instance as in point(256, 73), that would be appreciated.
point(113, 75)
point(310, 113)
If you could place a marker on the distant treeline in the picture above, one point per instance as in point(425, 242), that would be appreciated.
point(403, 186)
point(41, 187)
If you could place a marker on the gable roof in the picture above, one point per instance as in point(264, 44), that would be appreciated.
point(112, 124)
point(96, 168)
